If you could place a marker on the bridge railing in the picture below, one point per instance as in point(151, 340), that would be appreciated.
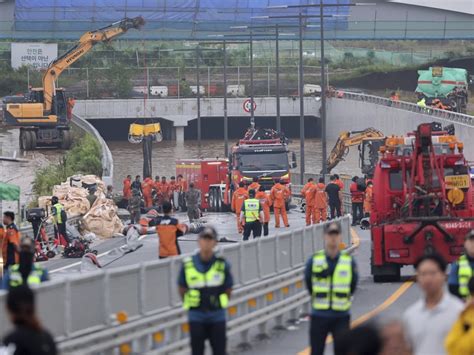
point(409, 106)
point(107, 160)
point(81, 310)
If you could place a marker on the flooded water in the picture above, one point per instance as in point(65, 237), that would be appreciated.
point(22, 174)
point(128, 158)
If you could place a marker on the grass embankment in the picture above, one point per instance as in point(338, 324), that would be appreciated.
point(83, 158)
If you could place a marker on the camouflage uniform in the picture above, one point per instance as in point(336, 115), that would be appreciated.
point(134, 207)
point(193, 201)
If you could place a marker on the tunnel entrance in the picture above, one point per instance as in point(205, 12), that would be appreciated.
point(213, 127)
point(117, 129)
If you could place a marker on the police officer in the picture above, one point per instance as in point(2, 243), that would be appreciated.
point(193, 201)
point(205, 285)
point(26, 271)
point(59, 217)
point(251, 215)
point(463, 269)
point(331, 278)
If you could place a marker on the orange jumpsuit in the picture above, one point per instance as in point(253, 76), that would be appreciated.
point(165, 190)
point(254, 186)
point(127, 189)
point(308, 193)
point(265, 202)
point(240, 195)
point(10, 246)
point(320, 203)
point(279, 194)
point(147, 186)
point(368, 199)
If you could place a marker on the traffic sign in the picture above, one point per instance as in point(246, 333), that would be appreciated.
point(247, 107)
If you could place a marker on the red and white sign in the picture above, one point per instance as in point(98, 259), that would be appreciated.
point(247, 107)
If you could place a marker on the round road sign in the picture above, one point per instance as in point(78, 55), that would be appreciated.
point(247, 107)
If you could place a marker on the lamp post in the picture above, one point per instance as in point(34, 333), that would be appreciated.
point(252, 114)
point(226, 123)
point(198, 97)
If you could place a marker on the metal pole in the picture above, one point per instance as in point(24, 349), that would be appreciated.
point(226, 128)
point(302, 167)
point(252, 117)
point(277, 59)
point(87, 82)
point(323, 97)
point(198, 95)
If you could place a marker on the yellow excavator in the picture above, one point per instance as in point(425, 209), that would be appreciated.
point(369, 140)
point(42, 114)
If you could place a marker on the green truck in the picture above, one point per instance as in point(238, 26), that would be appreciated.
point(443, 87)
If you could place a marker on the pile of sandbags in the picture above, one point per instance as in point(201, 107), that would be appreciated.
point(101, 218)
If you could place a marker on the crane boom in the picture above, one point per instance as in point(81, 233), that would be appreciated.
point(346, 140)
point(84, 45)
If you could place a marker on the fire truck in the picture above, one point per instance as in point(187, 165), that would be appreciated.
point(262, 153)
point(422, 201)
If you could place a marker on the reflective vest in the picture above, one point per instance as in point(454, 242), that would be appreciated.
point(34, 278)
point(331, 291)
point(464, 274)
point(252, 210)
point(58, 208)
point(205, 290)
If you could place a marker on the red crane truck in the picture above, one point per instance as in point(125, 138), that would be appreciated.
point(422, 201)
point(262, 153)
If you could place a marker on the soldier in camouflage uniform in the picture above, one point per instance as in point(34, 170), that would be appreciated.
point(134, 206)
point(193, 201)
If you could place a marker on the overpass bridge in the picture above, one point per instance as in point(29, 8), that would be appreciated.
point(268, 271)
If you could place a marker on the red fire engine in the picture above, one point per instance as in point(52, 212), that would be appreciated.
point(422, 201)
point(262, 153)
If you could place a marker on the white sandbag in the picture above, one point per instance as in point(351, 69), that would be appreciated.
point(102, 219)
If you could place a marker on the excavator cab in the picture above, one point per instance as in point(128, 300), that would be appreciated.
point(369, 154)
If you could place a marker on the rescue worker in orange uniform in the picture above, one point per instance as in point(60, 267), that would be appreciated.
point(238, 198)
point(10, 241)
point(357, 199)
point(266, 203)
point(368, 197)
point(127, 188)
point(320, 202)
point(279, 194)
point(147, 187)
point(254, 185)
point(173, 188)
point(339, 182)
point(168, 230)
point(165, 188)
point(308, 192)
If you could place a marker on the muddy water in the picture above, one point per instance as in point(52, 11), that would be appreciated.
point(22, 174)
point(128, 157)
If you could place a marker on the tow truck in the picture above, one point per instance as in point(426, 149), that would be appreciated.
point(422, 200)
point(262, 153)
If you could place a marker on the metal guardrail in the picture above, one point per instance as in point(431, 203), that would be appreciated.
point(409, 106)
point(268, 274)
point(107, 160)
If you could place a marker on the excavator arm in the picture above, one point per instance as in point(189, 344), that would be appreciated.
point(85, 44)
point(346, 140)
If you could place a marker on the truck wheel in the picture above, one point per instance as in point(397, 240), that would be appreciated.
point(218, 200)
point(23, 143)
point(386, 273)
point(66, 141)
point(32, 140)
point(212, 200)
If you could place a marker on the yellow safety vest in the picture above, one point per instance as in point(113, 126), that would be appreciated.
point(252, 210)
point(421, 103)
point(464, 274)
point(331, 292)
point(205, 289)
point(58, 209)
point(34, 278)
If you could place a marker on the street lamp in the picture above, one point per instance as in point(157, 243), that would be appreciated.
point(321, 15)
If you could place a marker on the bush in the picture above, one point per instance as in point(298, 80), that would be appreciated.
point(83, 158)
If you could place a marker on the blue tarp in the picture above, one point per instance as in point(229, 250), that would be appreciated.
point(172, 18)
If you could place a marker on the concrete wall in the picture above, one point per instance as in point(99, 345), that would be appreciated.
point(181, 111)
point(349, 115)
